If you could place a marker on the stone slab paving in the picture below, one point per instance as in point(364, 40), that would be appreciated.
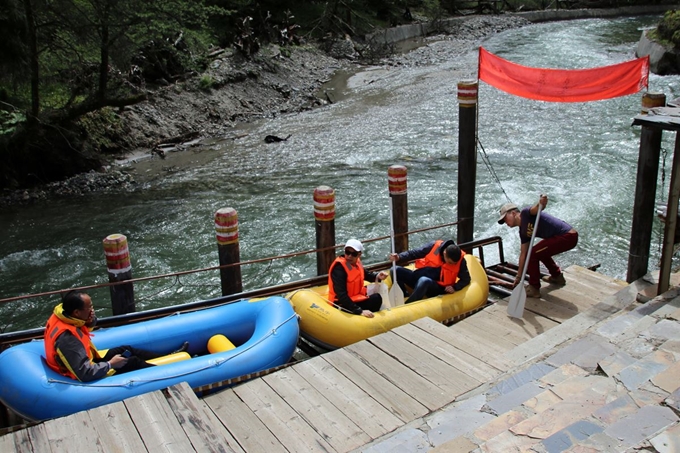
point(615, 388)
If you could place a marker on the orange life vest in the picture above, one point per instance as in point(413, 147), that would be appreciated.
point(433, 258)
point(55, 327)
point(355, 281)
point(449, 272)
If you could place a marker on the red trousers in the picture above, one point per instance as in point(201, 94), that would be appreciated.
point(543, 251)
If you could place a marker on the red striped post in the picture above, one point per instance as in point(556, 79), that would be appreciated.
point(119, 269)
point(226, 230)
point(324, 219)
point(467, 158)
point(396, 181)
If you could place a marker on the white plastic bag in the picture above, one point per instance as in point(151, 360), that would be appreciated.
point(380, 288)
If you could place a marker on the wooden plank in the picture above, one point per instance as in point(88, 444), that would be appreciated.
point(486, 341)
point(426, 344)
point(336, 428)
point(215, 421)
point(579, 296)
point(115, 428)
point(583, 283)
point(461, 360)
point(7, 442)
point(72, 433)
point(400, 375)
point(248, 430)
point(532, 325)
point(478, 348)
point(392, 398)
point(464, 345)
point(196, 422)
point(552, 308)
point(450, 380)
point(156, 423)
point(614, 285)
point(289, 427)
point(40, 442)
point(369, 415)
point(503, 329)
point(21, 442)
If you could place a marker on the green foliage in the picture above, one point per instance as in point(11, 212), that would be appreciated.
point(9, 121)
point(668, 30)
point(206, 82)
point(100, 128)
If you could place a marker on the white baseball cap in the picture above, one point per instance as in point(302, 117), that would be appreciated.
point(354, 244)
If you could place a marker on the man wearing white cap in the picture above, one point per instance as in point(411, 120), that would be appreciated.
point(346, 282)
point(558, 236)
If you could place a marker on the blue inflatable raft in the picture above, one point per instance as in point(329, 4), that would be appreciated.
point(265, 333)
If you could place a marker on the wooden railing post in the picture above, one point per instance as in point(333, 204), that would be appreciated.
point(119, 269)
point(226, 229)
point(397, 182)
point(324, 219)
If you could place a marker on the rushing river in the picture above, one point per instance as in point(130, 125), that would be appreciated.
point(583, 155)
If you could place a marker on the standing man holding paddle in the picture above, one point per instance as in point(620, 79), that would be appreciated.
point(557, 237)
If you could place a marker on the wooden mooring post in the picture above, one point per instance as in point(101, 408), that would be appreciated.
point(671, 221)
point(226, 229)
point(397, 183)
point(467, 158)
point(645, 192)
point(324, 219)
point(119, 269)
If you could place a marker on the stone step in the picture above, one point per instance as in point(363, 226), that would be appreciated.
point(628, 324)
point(615, 387)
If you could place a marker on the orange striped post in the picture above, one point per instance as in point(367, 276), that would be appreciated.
point(467, 158)
point(324, 219)
point(396, 181)
point(226, 230)
point(119, 269)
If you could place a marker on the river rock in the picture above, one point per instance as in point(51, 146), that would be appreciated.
point(662, 60)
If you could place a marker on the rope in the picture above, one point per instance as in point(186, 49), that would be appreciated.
point(489, 166)
point(664, 153)
point(217, 363)
point(213, 268)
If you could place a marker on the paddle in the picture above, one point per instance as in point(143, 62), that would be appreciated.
point(519, 295)
point(396, 295)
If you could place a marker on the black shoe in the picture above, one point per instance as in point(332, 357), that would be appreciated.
point(184, 348)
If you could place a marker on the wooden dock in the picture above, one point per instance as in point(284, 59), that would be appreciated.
point(346, 399)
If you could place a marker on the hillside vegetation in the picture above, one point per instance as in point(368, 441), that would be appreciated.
point(69, 68)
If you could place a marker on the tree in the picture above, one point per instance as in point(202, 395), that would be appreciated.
point(67, 58)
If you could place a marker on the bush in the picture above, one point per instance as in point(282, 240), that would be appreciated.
point(669, 28)
point(206, 83)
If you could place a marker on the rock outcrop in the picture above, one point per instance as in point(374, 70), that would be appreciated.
point(662, 60)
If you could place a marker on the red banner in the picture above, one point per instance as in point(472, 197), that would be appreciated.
point(564, 85)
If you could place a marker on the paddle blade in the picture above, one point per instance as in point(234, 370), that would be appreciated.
point(396, 295)
point(517, 300)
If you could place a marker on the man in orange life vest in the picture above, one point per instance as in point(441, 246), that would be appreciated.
point(69, 349)
point(346, 282)
point(440, 269)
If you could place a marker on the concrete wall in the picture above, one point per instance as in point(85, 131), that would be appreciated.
point(410, 31)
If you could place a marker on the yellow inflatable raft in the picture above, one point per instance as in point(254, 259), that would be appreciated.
point(326, 326)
